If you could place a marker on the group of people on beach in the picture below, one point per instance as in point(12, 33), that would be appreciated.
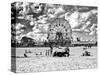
point(59, 52)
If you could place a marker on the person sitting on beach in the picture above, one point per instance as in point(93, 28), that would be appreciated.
point(85, 52)
point(67, 50)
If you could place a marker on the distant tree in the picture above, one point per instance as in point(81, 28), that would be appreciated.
point(27, 42)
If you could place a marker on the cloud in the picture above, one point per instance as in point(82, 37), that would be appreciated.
point(38, 33)
point(59, 11)
point(56, 12)
point(19, 26)
point(92, 33)
point(19, 37)
point(92, 28)
point(37, 37)
point(72, 18)
point(79, 21)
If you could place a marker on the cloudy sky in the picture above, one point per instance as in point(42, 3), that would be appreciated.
point(33, 21)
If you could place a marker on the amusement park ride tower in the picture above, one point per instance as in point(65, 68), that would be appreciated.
point(60, 32)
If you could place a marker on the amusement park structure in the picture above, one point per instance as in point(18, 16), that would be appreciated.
point(59, 32)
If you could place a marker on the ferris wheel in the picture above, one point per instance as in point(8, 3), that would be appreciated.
point(59, 30)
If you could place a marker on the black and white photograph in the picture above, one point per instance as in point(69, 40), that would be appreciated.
point(53, 37)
